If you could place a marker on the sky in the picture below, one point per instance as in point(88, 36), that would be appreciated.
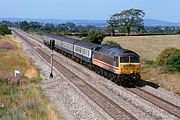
point(168, 10)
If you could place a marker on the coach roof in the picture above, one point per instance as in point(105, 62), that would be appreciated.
point(85, 44)
point(62, 38)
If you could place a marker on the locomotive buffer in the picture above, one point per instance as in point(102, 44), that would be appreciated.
point(52, 46)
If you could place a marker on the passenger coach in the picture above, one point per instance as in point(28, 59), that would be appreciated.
point(84, 50)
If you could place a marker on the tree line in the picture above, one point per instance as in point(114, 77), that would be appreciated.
point(49, 27)
point(125, 22)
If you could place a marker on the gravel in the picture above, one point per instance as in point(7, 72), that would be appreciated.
point(166, 95)
point(137, 106)
point(73, 104)
point(68, 100)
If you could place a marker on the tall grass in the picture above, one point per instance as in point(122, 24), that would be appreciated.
point(25, 102)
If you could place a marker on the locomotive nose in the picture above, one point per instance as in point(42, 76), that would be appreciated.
point(130, 69)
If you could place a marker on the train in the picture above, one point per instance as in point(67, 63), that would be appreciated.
point(119, 65)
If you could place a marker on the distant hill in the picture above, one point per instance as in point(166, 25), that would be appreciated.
point(153, 22)
point(99, 23)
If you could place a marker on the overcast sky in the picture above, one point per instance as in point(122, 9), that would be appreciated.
point(168, 10)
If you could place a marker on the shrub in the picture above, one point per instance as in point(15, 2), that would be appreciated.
point(95, 36)
point(161, 59)
point(111, 43)
point(168, 69)
point(4, 30)
point(1, 32)
point(148, 62)
point(169, 59)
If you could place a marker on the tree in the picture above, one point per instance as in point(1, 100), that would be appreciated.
point(95, 36)
point(24, 25)
point(113, 23)
point(111, 43)
point(1, 32)
point(129, 19)
point(4, 30)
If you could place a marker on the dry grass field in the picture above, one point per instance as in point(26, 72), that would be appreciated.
point(148, 47)
point(23, 101)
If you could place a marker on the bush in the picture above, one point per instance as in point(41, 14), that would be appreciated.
point(169, 59)
point(178, 32)
point(148, 62)
point(4, 30)
point(161, 59)
point(111, 43)
point(95, 36)
point(168, 69)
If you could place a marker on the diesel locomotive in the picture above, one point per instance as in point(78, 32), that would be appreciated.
point(120, 65)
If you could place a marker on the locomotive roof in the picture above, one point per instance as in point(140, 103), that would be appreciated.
point(117, 52)
point(62, 38)
point(86, 44)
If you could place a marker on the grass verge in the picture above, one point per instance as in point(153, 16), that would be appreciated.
point(153, 73)
point(21, 101)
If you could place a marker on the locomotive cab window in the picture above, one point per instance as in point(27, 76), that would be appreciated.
point(134, 59)
point(124, 59)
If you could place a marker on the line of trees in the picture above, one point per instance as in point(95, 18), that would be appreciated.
point(49, 27)
point(124, 22)
point(162, 30)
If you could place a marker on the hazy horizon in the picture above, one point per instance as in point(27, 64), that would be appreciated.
point(77, 19)
point(91, 10)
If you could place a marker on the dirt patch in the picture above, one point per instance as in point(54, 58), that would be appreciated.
point(8, 46)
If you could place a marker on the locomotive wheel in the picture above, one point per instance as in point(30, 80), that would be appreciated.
point(105, 74)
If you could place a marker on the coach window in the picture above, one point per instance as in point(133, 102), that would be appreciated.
point(78, 49)
point(83, 51)
point(69, 46)
point(88, 51)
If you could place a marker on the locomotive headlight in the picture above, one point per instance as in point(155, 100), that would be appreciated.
point(122, 68)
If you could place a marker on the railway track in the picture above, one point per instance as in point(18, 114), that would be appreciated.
point(165, 105)
point(111, 108)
